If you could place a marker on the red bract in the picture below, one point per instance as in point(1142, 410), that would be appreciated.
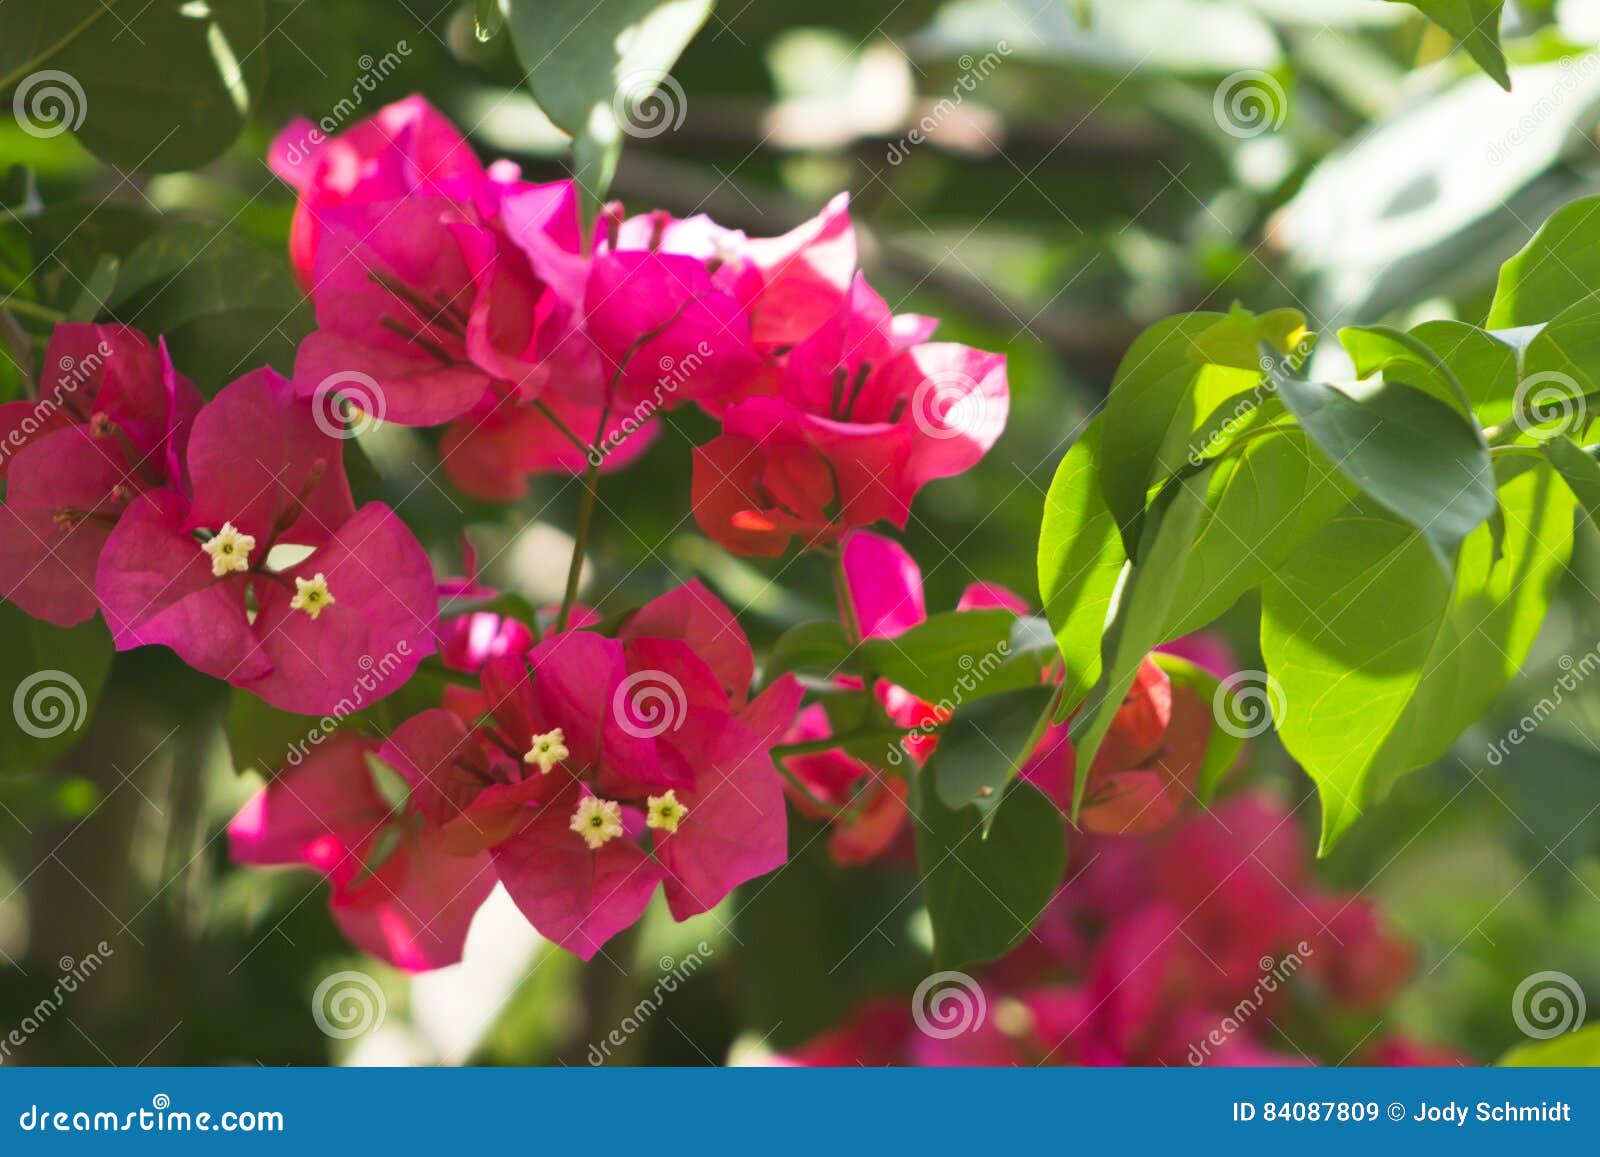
point(865, 414)
point(569, 756)
point(398, 892)
point(193, 569)
point(1146, 769)
point(112, 422)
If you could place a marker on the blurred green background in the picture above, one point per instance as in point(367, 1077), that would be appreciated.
point(1091, 167)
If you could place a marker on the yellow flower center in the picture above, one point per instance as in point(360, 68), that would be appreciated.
point(229, 550)
point(311, 595)
point(597, 820)
point(548, 750)
point(664, 812)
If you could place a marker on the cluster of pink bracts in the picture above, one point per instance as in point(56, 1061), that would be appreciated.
point(452, 294)
point(584, 768)
point(1205, 944)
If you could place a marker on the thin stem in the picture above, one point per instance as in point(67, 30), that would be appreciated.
point(31, 65)
point(829, 742)
point(565, 430)
point(847, 606)
point(580, 540)
point(816, 801)
point(31, 309)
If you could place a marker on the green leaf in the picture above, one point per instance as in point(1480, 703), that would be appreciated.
point(1144, 606)
point(1165, 401)
point(1560, 366)
point(1579, 1048)
point(50, 679)
point(602, 72)
point(1475, 25)
point(985, 891)
point(1260, 505)
point(1381, 659)
point(982, 746)
point(1223, 746)
point(1406, 449)
point(956, 656)
point(155, 87)
point(816, 646)
point(1558, 266)
point(1080, 561)
point(1403, 357)
point(1579, 471)
point(224, 305)
point(1485, 366)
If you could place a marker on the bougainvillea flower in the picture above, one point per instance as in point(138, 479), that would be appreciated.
point(863, 420)
point(432, 304)
point(788, 285)
point(398, 893)
point(595, 769)
point(112, 422)
point(404, 148)
point(198, 574)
